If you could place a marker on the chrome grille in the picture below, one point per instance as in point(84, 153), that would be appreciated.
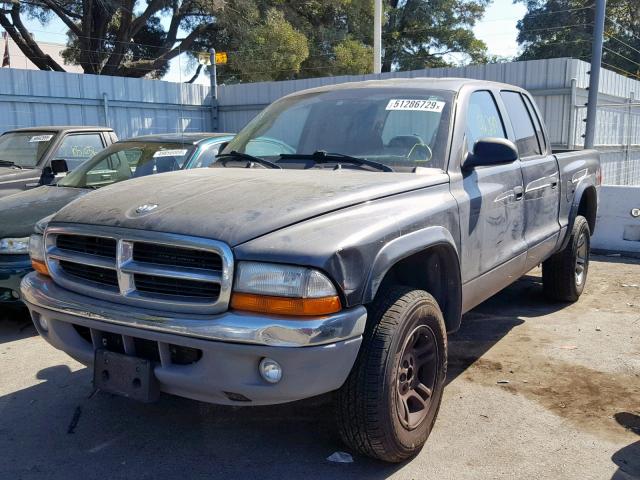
point(156, 270)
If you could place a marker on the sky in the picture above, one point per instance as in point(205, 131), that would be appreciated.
point(497, 29)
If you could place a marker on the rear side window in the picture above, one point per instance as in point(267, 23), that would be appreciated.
point(76, 149)
point(526, 139)
point(483, 118)
point(536, 122)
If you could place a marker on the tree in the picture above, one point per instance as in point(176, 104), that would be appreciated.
point(272, 51)
point(265, 39)
point(564, 28)
point(421, 33)
point(113, 37)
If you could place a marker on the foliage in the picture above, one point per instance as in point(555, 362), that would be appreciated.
point(564, 28)
point(265, 39)
point(273, 50)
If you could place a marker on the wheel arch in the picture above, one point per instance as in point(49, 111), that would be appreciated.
point(411, 260)
point(588, 206)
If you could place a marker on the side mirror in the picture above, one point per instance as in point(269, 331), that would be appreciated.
point(222, 146)
point(58, 166)
point(491, 151)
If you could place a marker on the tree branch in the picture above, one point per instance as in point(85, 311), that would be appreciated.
point(64, 16)
point(38, 57)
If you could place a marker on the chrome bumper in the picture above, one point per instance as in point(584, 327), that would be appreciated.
point(234, 327)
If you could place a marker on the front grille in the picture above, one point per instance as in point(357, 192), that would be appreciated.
point(176, 287)
point(103, 276)
point(176, 256)
point(155, 270)
point(103, 247)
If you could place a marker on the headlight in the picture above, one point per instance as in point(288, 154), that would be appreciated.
point(36, 252)
point(14, 245)
point(283, 290)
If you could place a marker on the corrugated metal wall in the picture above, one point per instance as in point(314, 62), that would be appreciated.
point(137, 107)
point(130, 106)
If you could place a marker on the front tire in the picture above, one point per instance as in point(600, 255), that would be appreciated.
point(564, 275)
point(388, 405)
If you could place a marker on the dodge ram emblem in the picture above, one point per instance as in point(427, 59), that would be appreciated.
point(146, 208)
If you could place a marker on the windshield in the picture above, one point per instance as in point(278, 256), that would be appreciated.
point(125, 160)
point(25, 149)
point(402, 128)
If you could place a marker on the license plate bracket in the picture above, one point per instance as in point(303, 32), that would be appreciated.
point(124, 375)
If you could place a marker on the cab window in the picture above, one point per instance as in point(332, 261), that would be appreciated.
point(526, 139)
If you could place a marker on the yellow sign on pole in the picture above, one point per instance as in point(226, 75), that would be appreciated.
point(221, 58)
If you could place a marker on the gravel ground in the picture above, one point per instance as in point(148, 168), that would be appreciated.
point(535, 390)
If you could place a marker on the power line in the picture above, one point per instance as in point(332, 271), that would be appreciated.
point(620, 55)
point(623, 43)
point(623, 28)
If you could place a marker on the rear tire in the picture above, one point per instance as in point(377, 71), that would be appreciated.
point(388, 405)
point(564, 275)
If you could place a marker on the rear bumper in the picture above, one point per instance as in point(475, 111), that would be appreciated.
point(226, 370)
point(11, 274)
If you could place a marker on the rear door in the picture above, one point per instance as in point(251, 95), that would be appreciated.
point(541, 177)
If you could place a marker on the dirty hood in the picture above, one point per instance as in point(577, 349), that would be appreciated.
point(235, 205)
point(20, 212)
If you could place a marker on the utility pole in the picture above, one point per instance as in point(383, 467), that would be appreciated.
point(594, 79)
point(214, 89)
point(377, 36)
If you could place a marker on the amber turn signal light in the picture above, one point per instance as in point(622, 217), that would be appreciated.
point(40, 267)
point(285, 305)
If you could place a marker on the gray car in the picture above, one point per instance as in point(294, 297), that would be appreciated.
point(332, 247)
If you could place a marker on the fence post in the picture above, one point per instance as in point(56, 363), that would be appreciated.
point(573, 112)
point(213, 75)
point(628, 133)
point(105, 106)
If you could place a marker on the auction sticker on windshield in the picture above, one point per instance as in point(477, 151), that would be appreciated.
point(170, 153)
point(40, 138)
point(416, 105)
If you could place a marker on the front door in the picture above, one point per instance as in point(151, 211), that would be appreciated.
point(491, 210)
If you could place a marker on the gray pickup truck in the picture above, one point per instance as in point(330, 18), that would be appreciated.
point(333, 246)
point(31, 157)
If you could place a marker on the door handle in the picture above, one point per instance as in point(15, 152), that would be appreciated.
point(554, 184)
point(519, 192)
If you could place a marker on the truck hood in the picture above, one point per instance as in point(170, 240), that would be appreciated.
point(20, 212)
point(236, 205)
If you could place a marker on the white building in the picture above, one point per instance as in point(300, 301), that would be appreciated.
point(17, 59)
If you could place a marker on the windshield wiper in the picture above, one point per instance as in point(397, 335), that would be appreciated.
point(245, 156)
point(324, 157)
point(7, 163)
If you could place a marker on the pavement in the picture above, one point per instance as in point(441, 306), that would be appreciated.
point(535, 390)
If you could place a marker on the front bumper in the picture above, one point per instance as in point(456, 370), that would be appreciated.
point(12, 269)
point(316, 355)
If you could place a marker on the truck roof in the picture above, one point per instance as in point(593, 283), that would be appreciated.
point(62, 128)
point(452, 84)
point(187, 138)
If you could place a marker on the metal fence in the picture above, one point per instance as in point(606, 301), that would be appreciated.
point(131, 106)
point(138, 106)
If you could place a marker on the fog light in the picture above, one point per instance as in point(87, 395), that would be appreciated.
point(15, 294)
point(43, 323)
point(270, 370)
